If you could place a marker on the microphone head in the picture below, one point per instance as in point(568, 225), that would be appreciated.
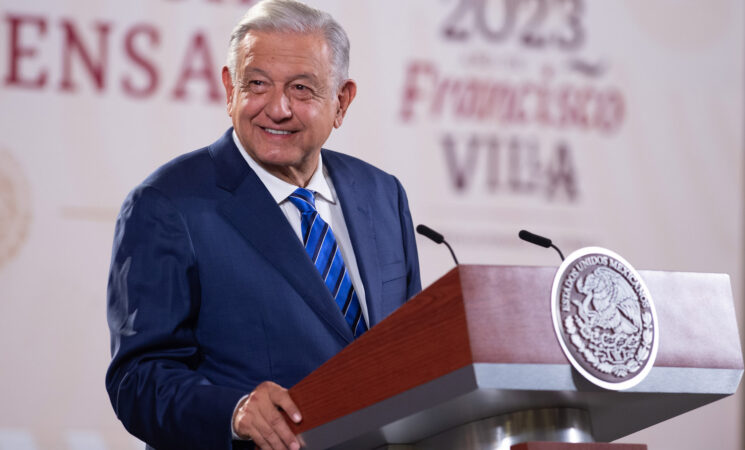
point(534, 238)
point(424, 230)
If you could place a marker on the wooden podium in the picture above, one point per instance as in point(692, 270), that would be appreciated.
point(474, 357)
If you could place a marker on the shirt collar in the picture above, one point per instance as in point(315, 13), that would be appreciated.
point(280, 189)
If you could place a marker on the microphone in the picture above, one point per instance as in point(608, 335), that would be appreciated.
point(426, 231)
point(539, 240)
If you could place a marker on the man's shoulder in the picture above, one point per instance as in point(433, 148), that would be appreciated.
point(193, 171)
point(181, 171)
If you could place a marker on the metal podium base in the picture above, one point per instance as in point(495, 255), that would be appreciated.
point(502, 432)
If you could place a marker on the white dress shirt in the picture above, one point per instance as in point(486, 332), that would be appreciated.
point(328, 207)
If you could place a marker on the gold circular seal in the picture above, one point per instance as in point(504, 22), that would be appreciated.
point(15, 207)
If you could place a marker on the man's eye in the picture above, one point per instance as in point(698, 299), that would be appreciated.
point(256, 86)
point(301, 91)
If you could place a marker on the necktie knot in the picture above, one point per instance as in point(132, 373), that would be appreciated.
point(304, 200)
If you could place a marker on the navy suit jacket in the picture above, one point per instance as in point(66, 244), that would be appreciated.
point(211, 292)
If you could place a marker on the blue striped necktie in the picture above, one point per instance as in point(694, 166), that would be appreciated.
point(321, 246)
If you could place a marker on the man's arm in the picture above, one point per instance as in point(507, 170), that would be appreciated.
point(153, 305)
point(413, 279)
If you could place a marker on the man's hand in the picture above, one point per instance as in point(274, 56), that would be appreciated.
point(259, 417)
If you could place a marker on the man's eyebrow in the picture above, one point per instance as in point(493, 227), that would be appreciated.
point(254, 70)
point(306, 76)
point(301, 76)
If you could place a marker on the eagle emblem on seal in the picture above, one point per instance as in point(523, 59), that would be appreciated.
point(604, 318)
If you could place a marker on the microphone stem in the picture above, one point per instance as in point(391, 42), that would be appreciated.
point(453, 253)
point(557, 249)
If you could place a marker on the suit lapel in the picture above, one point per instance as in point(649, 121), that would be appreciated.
point(355, 205)
point(255, 214)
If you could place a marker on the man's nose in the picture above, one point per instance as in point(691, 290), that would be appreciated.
point(278, 107)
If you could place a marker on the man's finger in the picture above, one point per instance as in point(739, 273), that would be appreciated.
point(277, 426)
point(281, 397)
point(260, 418)
point(271, 439)
point(258, 438)
point(264, 434)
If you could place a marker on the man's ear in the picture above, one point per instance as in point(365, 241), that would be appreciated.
point(345, 97)
point(227, 81)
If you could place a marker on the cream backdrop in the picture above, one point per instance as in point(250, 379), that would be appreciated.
point(615, 123)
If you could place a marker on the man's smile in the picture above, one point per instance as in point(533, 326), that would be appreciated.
point(278, 132)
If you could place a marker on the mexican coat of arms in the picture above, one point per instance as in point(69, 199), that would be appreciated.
point(604, 318)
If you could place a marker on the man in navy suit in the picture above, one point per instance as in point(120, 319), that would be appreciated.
point(215, 305)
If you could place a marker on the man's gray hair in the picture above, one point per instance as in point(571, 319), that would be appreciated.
point(290, 16)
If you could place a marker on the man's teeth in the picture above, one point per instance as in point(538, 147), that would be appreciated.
point(269, 130)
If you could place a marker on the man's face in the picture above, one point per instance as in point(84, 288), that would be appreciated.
point(285, 101)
